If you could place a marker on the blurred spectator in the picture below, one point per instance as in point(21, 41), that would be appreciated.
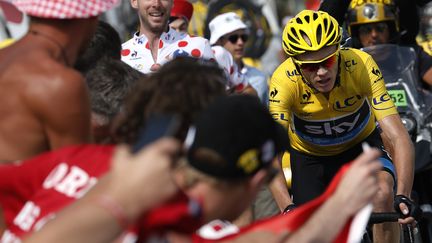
point(58, 178)
point(236, 80)
point(109, 82)
point(56, 111)
point(105, 43)
point(229, 31)
point(181, 14)
point(156, 43)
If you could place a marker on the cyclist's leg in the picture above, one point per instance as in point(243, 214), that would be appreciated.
point(307, 180)
point(383, 202)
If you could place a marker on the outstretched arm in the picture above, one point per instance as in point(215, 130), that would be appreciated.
point(134, 185)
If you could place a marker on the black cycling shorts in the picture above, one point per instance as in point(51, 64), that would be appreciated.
point(311, 174)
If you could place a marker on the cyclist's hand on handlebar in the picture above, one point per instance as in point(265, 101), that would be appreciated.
point(409, 210)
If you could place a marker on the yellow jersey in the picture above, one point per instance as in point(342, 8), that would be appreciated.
point(328, 126)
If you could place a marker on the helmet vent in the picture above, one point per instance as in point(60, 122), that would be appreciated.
point(304, 35)
point(325, 21)
point(290, 38)
point(299, 21)
point(315, 16)
point(319, 34)
point(307, 19)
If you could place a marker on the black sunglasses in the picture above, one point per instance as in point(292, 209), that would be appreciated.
point(234, 38)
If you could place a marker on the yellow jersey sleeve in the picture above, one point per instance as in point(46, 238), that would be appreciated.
point(374, 86)
point(282, 94)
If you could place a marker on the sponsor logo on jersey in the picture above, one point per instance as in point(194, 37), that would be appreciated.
point(134, 55)
point(273, 94)
point(377, 73)
point(305, 98)
point(344, 105)
point(333, 131)
point(280, 116)
point(307, 95)
point(140, 40)
point(138, 66)
point(292, 73)
point(350, 63)
point(382, 102)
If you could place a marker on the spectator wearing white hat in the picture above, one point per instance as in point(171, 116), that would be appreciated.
point(44, 101)
point(230, 32)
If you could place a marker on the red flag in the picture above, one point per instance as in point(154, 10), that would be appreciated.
point(293, 220)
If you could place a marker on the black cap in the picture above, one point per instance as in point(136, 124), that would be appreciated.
point(234, 138)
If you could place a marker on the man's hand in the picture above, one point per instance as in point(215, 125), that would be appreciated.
point(144, 180)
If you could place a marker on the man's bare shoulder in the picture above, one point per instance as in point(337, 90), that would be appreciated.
point(46, 84)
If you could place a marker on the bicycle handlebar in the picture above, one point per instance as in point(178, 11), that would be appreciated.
point(377, 218)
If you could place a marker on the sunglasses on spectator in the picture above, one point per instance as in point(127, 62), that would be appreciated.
point(234, 38)
point(367, 28)
point(313, 66)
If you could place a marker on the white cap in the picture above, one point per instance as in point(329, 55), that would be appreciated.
point(224, 24)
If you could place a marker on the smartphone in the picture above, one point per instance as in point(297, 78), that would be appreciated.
point(157, 126)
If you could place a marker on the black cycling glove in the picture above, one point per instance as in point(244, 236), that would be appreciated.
point(414, 209)
point(289, 208)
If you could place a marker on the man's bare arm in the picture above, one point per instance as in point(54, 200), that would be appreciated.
point(402, 150)
point(279, 188)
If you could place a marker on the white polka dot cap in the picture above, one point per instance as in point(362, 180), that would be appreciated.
point(64, 9)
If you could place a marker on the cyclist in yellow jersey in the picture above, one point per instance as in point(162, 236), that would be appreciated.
point(330, 99)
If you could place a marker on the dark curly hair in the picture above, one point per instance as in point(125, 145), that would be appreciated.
point(183, 86)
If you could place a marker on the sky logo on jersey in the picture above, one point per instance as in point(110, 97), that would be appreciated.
point(333, 131)
point(377, 73)
point(382, 102)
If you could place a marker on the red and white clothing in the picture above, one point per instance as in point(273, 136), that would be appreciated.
point(225, 60)
point(136, 51)
point(33, 191)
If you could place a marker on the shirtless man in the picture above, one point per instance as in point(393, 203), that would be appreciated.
point(49, 107)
